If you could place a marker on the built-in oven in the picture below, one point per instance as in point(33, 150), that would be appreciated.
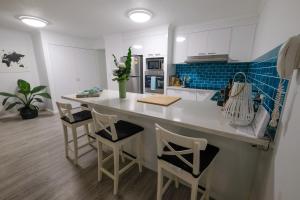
point(154, 83)
point(156, 63)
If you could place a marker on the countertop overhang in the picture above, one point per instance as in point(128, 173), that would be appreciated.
point(204, 116)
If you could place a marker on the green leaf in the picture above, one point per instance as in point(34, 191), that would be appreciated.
point(7, 94)
point(38, 100)
point(12, 105)
point(24, 86)
point(5, 100)
point(45, 94)
point(38, 89)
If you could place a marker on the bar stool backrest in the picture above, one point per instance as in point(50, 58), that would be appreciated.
point(192, 145)
point(103, 122)
point(65, 110)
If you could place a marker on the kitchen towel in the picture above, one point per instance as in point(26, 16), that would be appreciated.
point(153, 83)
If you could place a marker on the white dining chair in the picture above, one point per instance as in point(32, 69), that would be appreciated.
point(74, 118)
point(185, 158)
point(115, 134)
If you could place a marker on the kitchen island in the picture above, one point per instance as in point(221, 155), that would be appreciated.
point(236, 164)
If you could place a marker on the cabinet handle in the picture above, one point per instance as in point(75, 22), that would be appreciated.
point(212, 53)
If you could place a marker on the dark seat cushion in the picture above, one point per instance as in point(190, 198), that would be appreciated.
point(79, 116)
point(206, 157)
point(124, 129)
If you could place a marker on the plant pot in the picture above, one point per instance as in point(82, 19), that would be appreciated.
point(122, 89)
point(28, 113)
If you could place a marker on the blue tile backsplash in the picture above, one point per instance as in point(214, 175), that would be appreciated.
point(210, 75)
point(261, 72)
point(263, 75)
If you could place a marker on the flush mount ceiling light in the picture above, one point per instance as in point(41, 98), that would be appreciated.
point(180, 39)
point(140, 15)
point(33, 21)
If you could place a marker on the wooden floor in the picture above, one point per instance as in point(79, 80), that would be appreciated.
point(33, 166)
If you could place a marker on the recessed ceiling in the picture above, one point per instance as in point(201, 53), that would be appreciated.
point(94, 18)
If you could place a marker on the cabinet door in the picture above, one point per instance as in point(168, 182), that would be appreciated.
point(242, 43)
point(180, 51)
point(218, 41)
point(137, 46)
point(197, 44)
point(186, 95)
point(154, 46)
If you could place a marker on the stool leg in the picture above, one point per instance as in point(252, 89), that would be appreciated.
point(159, 183)
point(208, 182)
point(176, 181)
point(100, 160)
point(138, 152)
point(122, 155)
point(116, 169)
point(65, 128)
point(74, 132)
point(194, 190)
point(86, 129)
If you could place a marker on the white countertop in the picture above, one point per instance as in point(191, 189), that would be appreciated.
point(187, 89)
point(204, 116)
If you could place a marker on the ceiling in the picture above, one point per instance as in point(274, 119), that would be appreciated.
point(95, 18)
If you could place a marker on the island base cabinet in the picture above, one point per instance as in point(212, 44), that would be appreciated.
point(235, 165)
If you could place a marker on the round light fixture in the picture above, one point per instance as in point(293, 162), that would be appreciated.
point(33, 21)
point(180, 39)
point(140, 15)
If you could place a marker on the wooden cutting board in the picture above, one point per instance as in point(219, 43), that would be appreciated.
point(161, 100)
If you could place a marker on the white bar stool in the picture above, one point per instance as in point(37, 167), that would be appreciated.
point(185, 158)
point(74, 118)
point(115, 134)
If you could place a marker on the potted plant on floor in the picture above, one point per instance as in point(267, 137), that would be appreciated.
point(122, 73)
point(25, 99)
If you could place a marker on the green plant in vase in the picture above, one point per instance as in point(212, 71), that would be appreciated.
point(25, 99)
point(121, 74)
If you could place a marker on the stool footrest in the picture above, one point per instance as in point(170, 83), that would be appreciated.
point(121, 171)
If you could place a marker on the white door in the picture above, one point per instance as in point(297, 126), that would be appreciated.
point(218, 41)
point(63, 68)
point(197, 44)
point(73, 69)
point(87, 69)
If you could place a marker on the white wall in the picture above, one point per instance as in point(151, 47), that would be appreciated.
point(278, 176)
point(278, 21)
point(17, 40)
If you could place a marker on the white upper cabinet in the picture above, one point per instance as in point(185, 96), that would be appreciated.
point(180, 49)
point(218, 41)
point(137, 46)
point(155, 46)
point(242, 42)
point(197, 44)
point(237, 41)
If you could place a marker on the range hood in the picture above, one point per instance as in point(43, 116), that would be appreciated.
point(208, 58)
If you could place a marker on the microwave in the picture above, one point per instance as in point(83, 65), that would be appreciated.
point(155, 63)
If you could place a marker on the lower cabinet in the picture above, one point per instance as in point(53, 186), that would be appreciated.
point(186, 95)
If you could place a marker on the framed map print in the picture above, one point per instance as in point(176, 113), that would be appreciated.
point(13, 61)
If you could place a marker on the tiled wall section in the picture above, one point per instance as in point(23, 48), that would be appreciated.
point(210, 75)
point(263, 74)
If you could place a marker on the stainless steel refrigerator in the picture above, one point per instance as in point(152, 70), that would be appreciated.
point(135, 82)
